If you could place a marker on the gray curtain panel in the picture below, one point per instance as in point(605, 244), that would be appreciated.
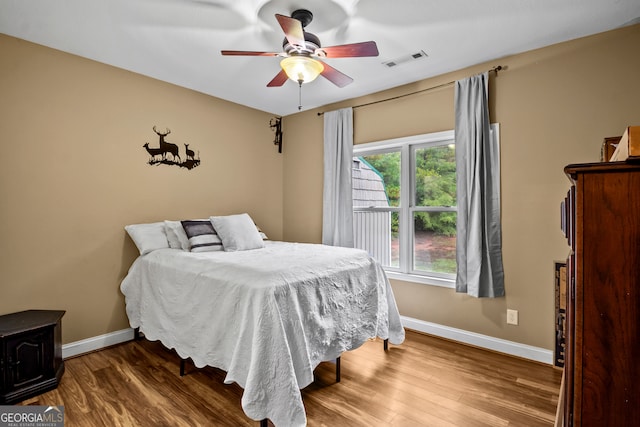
point(337, 202)
point(479, 236)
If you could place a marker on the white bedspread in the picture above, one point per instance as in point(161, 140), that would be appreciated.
point(267, 317)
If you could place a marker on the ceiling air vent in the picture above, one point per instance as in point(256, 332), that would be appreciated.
point(407, 58)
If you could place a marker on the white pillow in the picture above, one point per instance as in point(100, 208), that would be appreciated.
point(176, 236)
point(263, 236)
point(237, 232)
point(148, 237)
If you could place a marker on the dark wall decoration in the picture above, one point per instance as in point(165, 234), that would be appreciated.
point(168, 153)
point(276, 125)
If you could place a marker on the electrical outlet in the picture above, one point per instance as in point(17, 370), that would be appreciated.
point(512, 317)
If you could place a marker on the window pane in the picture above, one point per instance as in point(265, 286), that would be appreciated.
point(409, 230)
point(376, 180)
point(395, 240)
point(377, 233)
point(435, 176)
point(434, 242)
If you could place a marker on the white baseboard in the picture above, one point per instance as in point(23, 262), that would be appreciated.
point(484, 341)
point(96, 343)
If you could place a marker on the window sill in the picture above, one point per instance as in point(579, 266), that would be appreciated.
point(425, 280)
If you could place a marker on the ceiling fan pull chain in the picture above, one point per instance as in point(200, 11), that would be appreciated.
point(299, 95)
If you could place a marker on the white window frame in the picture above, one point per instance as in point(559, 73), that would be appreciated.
point(407, 201)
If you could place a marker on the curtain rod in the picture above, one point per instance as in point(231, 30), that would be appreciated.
point(494, 69)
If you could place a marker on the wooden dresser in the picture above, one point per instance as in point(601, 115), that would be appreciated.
point(601, 220)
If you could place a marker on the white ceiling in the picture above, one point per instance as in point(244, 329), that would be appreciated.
point(179, 41)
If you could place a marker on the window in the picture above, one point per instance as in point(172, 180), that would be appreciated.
point(404, 206)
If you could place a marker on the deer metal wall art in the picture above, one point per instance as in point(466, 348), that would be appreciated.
point(160, 155)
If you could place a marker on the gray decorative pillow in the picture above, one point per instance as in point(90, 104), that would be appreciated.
point(237, 232)
point(202, 236)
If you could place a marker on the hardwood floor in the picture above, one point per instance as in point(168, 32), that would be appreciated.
point(426, 381)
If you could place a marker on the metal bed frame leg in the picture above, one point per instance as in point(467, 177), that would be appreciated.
point(264, 423)
point(182, 367)
point(338, 369)
point(386, 344)
point(136, 334)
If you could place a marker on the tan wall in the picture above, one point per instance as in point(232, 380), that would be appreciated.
point(554, 106)
point(74, 173)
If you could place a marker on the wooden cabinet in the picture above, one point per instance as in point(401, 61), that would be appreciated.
point(31, 354)
point(601, 220)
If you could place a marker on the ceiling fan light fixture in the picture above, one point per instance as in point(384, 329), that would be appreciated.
point(301, 69)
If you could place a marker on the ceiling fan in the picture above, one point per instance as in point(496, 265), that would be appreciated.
point(300, 50)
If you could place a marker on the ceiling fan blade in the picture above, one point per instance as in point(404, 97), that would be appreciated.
point(248, 53)
point(278, 80)
point(349, 50)
point(292, 30)
point(334, 76)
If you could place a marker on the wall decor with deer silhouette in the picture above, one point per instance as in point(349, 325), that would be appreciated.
point(168, 153)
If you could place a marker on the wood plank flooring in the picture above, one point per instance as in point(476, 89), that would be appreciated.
point(426, 381)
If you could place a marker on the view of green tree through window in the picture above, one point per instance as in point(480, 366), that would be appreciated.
point(405, 199)
point(434, 217)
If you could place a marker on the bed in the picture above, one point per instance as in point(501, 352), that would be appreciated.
point(266, 316)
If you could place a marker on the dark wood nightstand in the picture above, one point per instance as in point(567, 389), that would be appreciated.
point(30, 354)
